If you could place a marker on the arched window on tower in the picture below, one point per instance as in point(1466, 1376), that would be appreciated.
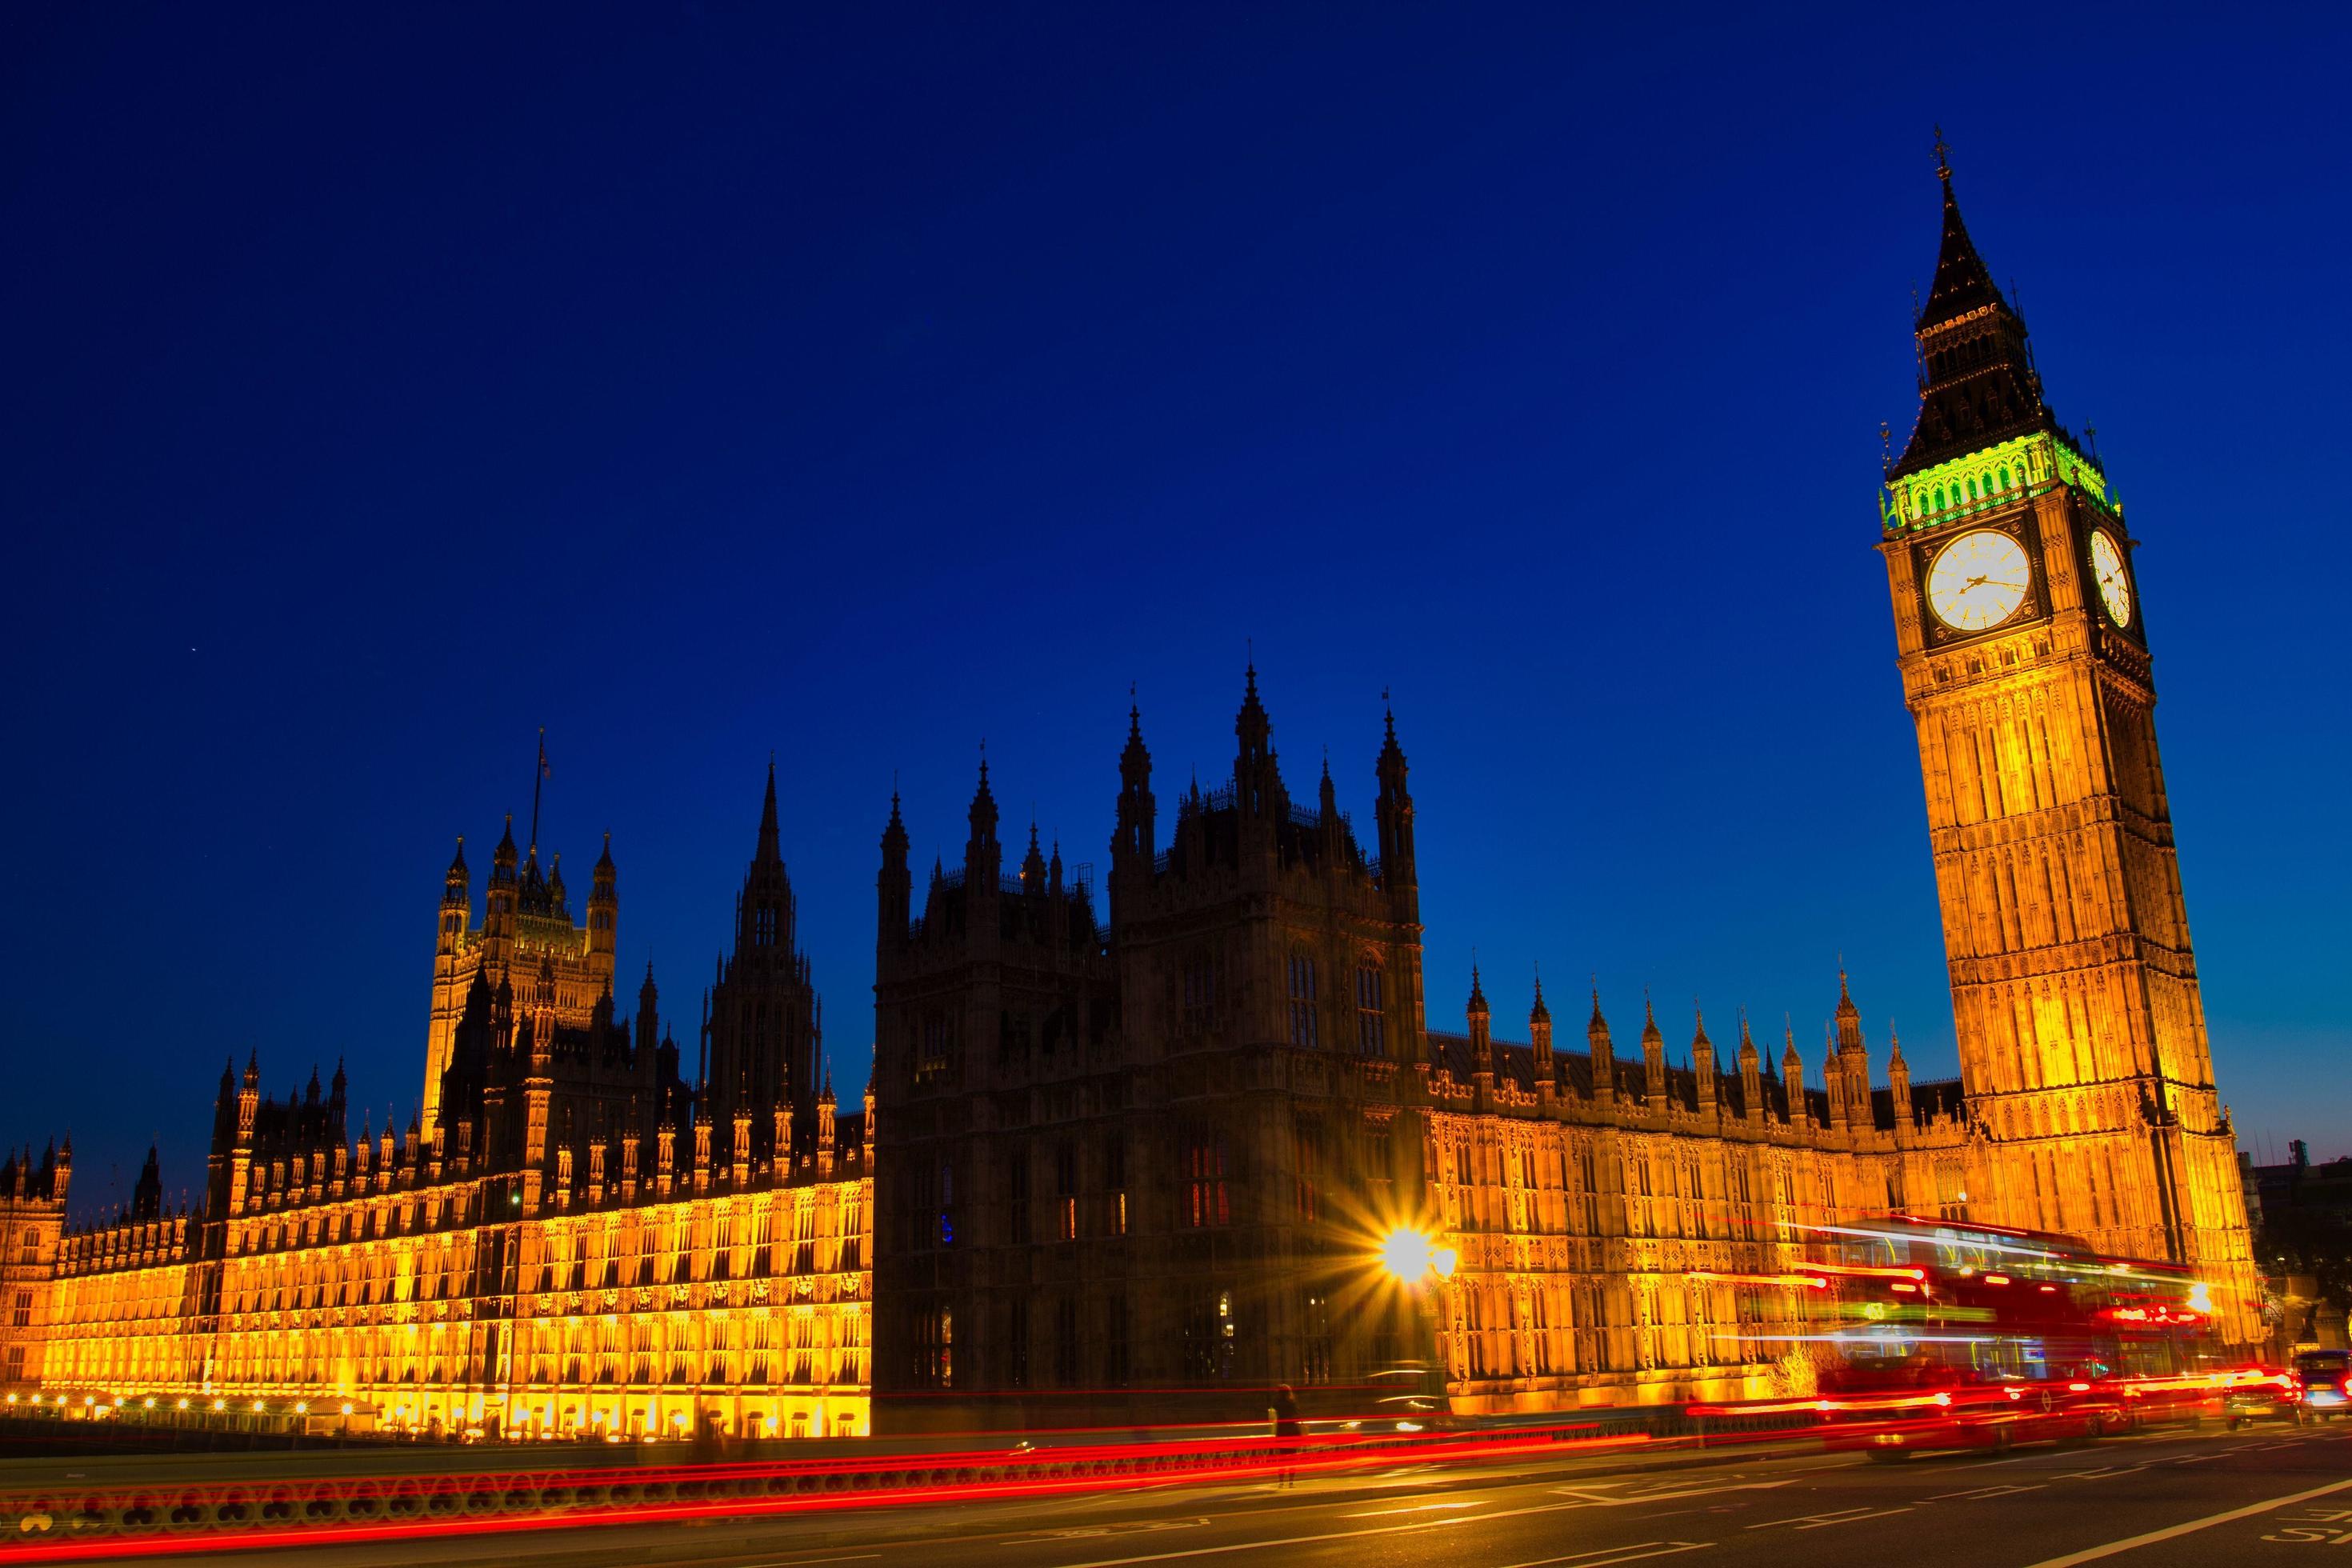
point(1371, 1014)
point(1302, 1001)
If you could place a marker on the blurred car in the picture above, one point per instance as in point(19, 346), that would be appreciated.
point(2261, 1394)
point(2326, 1377)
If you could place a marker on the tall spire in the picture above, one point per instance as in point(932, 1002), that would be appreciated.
point(1963, 283)
point(1255, 786)
point(771, 848)
point(1977, 384)
point(983, 813)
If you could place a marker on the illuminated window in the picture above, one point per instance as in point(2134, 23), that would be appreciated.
point(1065, 1191)
point(1205, 1201)
point(1115, 1179)
point(1306, 1165)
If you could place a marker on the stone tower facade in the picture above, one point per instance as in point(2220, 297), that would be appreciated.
point(32, 1215)
point(527, 932)
point(1143, 1153)
point(2024, 644)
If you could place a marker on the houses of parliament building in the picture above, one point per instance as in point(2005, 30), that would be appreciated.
point(1129, 1150)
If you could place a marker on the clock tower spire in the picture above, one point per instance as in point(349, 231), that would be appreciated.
point(2023, 649)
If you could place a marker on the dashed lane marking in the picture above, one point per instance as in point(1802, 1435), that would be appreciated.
point(1833, 1516)
point(1608, 1555)
point(1982, 1492)
point(1856, 1518)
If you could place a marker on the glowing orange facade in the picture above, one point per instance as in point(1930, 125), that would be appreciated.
point(2023, 645)
point(1145, 1156)
point(572, 1239)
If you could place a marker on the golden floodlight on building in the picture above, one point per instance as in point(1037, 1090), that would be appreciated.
point(1410, 1255)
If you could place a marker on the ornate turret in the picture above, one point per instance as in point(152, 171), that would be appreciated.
point(1654, 1056)
point(457, 901)
point(604, 904)
point(1481, 1022)
point(500, 904)
point(1703, 1062)
point(1539, 1032)
point(1849, 1067)
point(1133, 843)
point(1605, 1060)
point(1399, 872)
point(1032, 864)
point(1898, 1074)
point(1792, 1077)
point(894, 886)
point(147, 1197)
point(984, 858)
point(1751, 1075)
point(1257, 779)
point(764, 910)
point(648, 1020)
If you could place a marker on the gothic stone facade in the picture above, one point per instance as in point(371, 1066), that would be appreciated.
point(1134, 1160)
point(32, 1217)
point(581, 1242)
point(1145, 1163)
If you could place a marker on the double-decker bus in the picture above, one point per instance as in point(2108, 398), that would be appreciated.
point(1943, 1335)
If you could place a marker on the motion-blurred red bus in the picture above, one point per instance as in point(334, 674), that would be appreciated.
point(1954, 1336)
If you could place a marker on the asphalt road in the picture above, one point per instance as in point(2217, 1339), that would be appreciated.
point(2268, 1493)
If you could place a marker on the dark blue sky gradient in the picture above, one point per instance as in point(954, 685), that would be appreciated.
point(857, 382)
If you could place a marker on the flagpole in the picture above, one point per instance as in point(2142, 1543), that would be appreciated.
point(538, 776)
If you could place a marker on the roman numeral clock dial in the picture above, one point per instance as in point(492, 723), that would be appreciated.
point(2108, 569)
point(1978, 580)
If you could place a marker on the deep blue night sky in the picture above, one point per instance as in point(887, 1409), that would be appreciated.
point(856, 382)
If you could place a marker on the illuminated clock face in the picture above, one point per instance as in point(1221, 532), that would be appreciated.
point(2114, 589)
point(1979, 581)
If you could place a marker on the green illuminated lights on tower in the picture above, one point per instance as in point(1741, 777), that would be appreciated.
point(1978, 481)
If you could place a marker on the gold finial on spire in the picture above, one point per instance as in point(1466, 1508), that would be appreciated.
point(1943, 156)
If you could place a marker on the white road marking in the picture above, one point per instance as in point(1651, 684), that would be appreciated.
point(1586, 1499)
point(1624, 1554)
point(1440, 1523)
point(2003, 1490)
point(1093, 1531)
point(2093, 1554)
point(1855, 1517)
point(1411, 1508)
point(1832, 1517)
point(804, 1561)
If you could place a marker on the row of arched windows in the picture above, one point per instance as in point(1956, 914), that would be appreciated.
point(1967, 489)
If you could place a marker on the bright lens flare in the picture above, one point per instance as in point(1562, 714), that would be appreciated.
point(1409, 1255)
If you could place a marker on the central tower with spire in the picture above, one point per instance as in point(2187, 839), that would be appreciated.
point(2023, 645)
point(760, 1037)
point(1139, 1155)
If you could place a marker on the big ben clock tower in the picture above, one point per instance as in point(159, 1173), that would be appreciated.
point(2023, 642)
